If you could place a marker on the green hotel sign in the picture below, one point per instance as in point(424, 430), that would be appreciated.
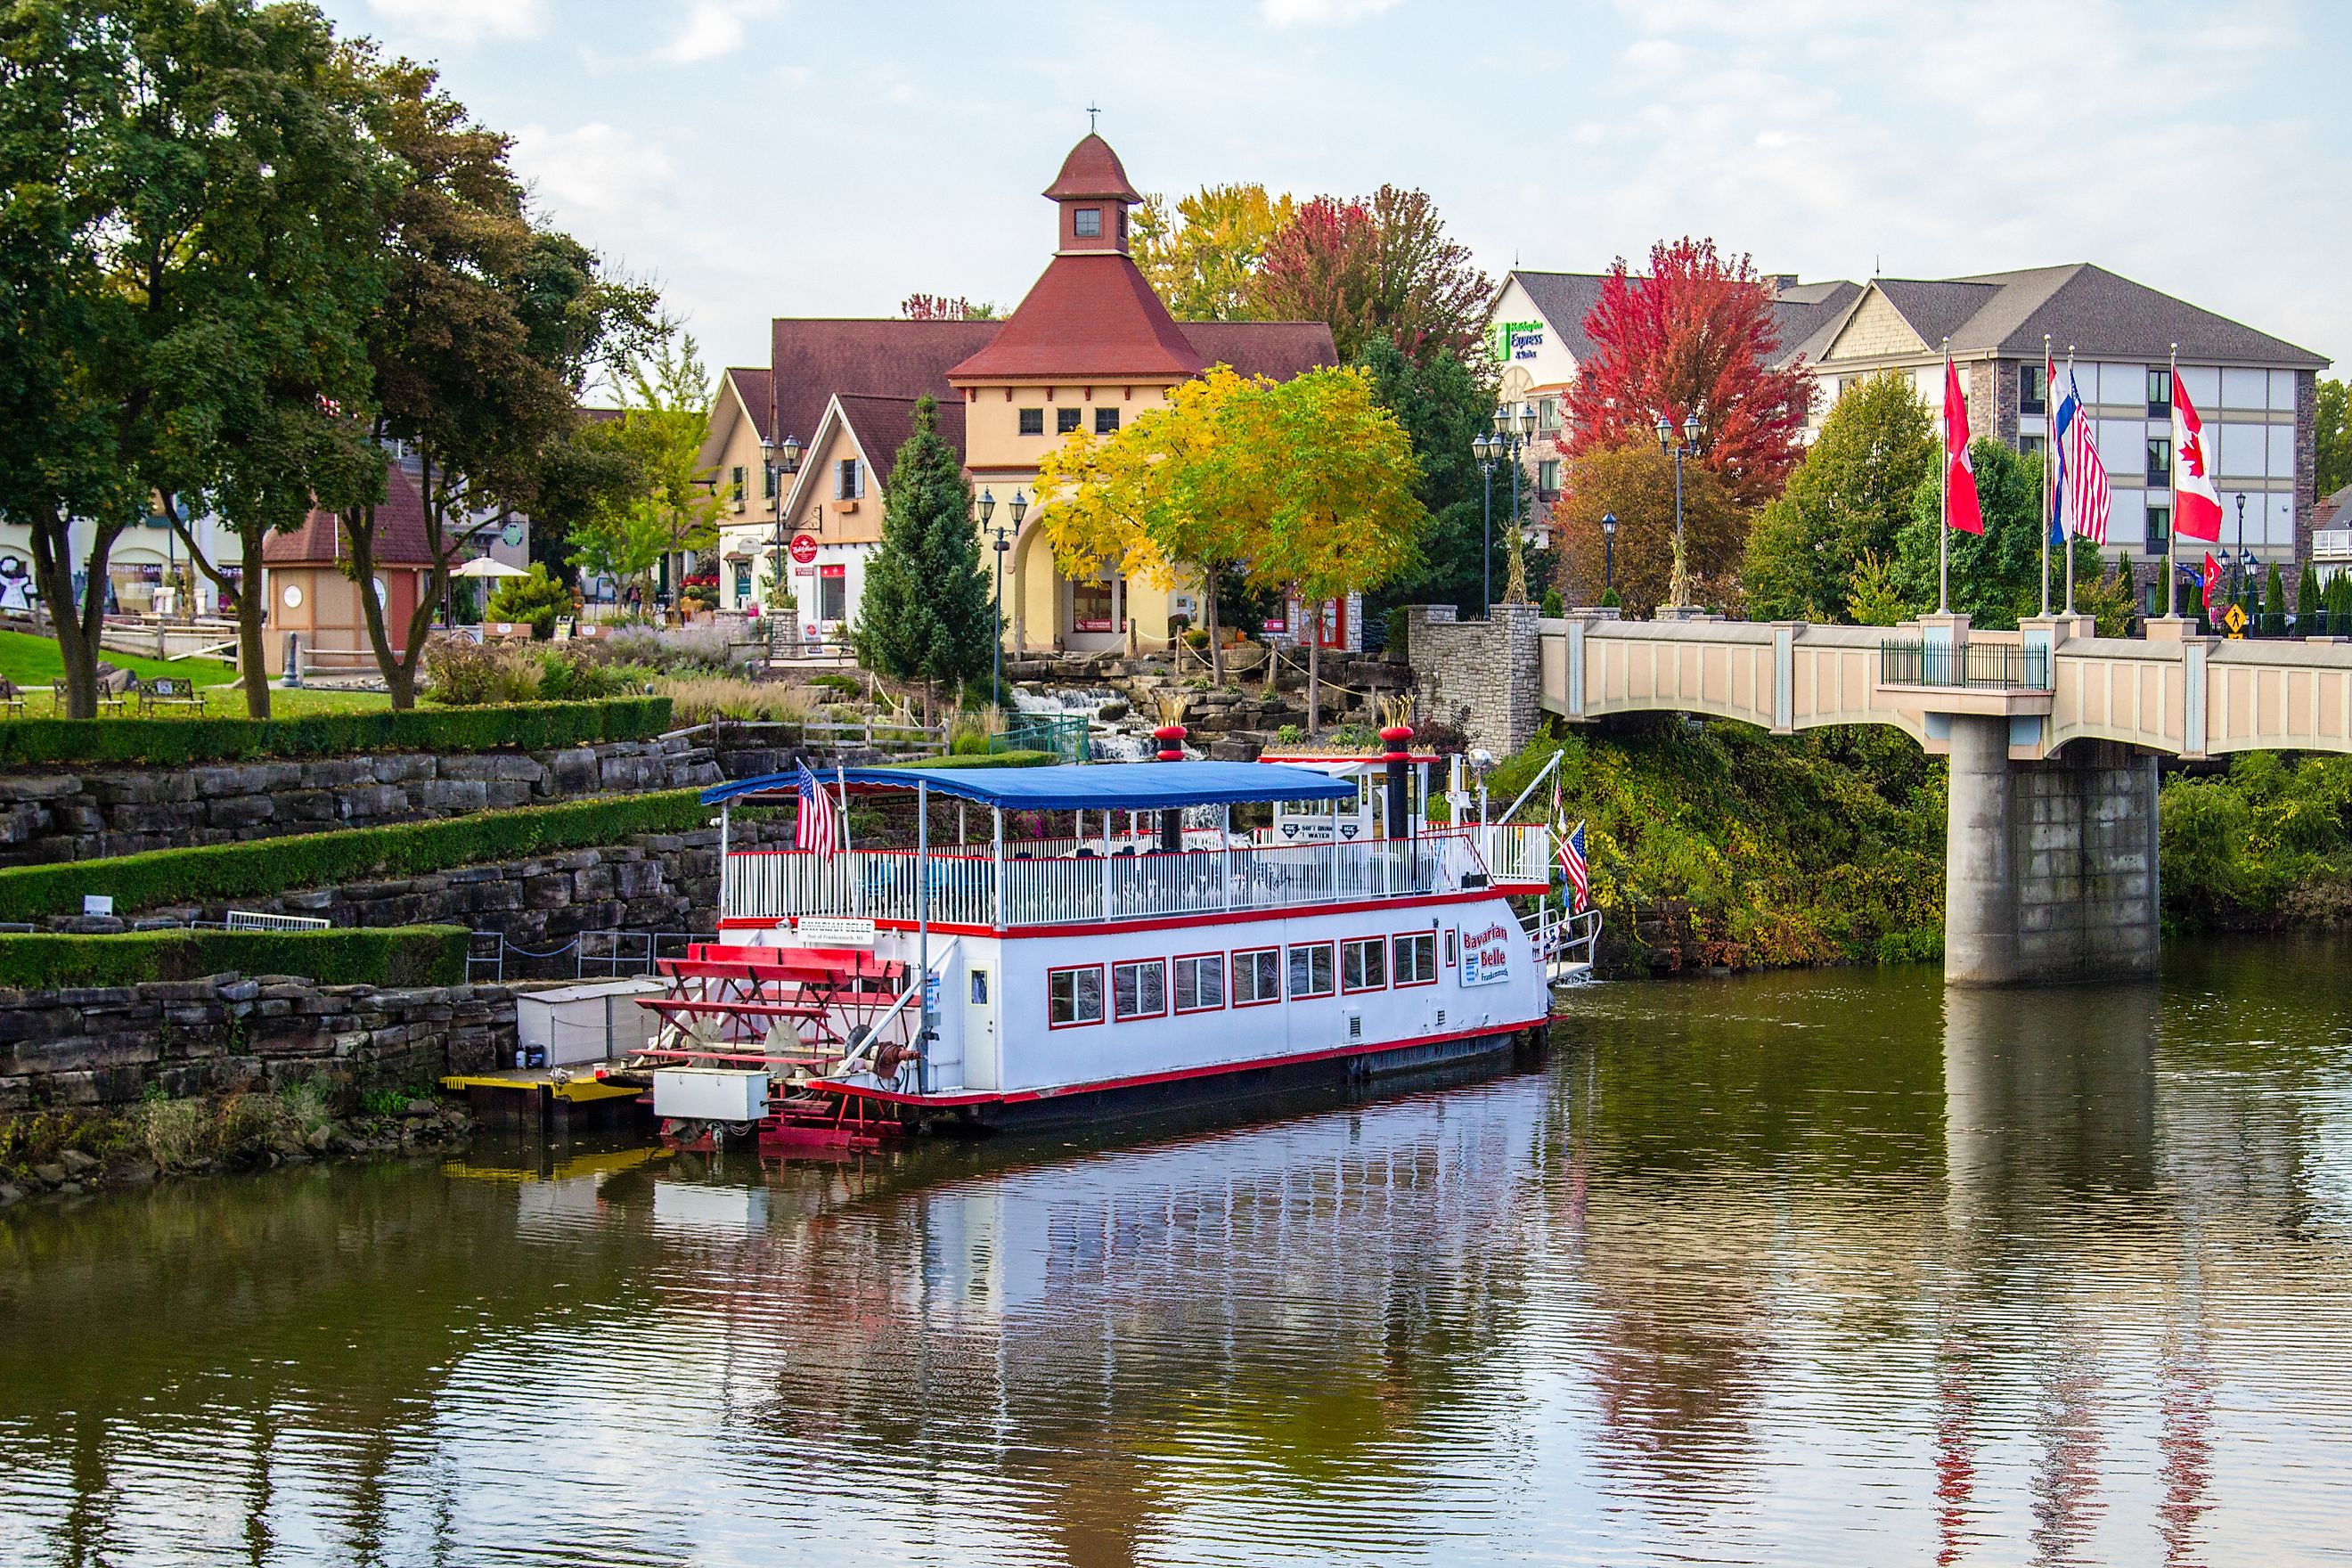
point(1516, 340)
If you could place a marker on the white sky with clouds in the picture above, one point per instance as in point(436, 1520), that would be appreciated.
point(780, 157)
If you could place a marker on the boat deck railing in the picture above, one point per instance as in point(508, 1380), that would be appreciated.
point(967, 885)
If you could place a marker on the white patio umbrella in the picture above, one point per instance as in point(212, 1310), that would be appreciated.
point(486, 567)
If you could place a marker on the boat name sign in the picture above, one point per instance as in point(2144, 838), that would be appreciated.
point(833, 930)
point(1486, 954)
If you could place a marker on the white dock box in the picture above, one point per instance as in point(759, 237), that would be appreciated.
point(710, 1094)
point(596, 1021)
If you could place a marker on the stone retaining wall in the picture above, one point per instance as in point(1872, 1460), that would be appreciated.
point(88, 813)
point(1481, 677)
point(107, 1046)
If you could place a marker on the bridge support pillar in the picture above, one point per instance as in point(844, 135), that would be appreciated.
point(2049, 870)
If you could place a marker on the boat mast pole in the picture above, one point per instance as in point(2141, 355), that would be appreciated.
point(923, 935)
point(996, 836)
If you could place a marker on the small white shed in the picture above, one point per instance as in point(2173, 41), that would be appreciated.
point(593, 1021)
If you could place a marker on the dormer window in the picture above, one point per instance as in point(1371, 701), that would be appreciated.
point(1086, 222)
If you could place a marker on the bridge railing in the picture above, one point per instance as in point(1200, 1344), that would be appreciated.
point(1995, 667)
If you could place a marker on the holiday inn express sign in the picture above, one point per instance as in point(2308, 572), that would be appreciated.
point(1517, 340)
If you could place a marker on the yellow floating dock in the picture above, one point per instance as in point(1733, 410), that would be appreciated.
point(534, 1097)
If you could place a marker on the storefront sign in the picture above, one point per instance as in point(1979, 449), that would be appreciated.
point(832, 571)
point(1517, 340)
point(804, 547)
point(1092, 627)
point(1485, 953)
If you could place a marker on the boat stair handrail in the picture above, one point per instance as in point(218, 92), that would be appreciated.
point(1567, 945)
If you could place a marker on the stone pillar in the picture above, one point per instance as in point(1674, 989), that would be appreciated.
point(1979, 875)
point(1486, 677)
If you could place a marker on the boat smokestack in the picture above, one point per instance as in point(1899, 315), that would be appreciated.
point(1397, 735)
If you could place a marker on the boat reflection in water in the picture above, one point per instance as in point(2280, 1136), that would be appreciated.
point(1830, 1268)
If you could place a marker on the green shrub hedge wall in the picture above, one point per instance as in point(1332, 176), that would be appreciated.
point(387, 956)
point(212, 872)
point(979, 760)
point(524, 726)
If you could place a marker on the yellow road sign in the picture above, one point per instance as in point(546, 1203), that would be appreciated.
point(2234, 617)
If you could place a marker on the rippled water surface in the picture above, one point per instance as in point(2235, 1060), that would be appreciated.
point(1822, 1268)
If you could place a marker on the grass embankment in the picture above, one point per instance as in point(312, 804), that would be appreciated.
point(1724, 846)
point(33, 662)
point(2266, 845)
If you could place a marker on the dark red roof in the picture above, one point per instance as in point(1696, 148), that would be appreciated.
point(1091, 314)
point(814, 359)
point(1276, 350)
point(883, 424)
point(755, 386)
point(1092, 169)
point(400, 538)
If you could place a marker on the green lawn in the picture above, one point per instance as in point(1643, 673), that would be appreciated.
point(33, 662)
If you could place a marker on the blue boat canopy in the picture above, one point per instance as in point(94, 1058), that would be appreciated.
point(1114, 786)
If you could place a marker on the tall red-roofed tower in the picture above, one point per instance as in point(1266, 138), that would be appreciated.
point(1092, 194)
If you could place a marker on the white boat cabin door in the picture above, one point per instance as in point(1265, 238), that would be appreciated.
point(981, 1053)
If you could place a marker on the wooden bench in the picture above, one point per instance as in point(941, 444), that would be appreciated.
point(167, 691)
point(60, 703)
point(11, 697)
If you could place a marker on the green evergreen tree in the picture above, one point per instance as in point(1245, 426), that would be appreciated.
point(1996, 575)
point(926, 614)
point(2306, 601)
point(1849, 499)
point(1442, 405)
point(2273, 602)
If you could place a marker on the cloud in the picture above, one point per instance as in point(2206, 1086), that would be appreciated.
point(465, 21)
point(713, 28)
point(1321, 12)
point(594, 172)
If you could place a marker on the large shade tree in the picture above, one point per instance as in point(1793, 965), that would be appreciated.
point(1844, 506)
point(665, 410)
point(1636, 484)
point(1379, 265)
point(1202, 256)
point(1442, 404)
point(1694, 336)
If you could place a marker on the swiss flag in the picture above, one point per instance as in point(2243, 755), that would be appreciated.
point(2196, 505)
point(1960, 508)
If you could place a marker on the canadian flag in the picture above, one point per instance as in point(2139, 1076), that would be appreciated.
point(1960, 508)
point(2196, 505)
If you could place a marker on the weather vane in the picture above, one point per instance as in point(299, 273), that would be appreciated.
point(1091, 113)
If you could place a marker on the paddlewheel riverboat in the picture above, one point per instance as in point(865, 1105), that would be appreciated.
point(1115, 941)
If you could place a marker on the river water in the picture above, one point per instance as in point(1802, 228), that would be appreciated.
point(1830, 1267)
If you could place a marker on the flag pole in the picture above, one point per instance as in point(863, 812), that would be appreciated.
point(1944, 502)
point(2049, 468)
point(2172, 533)
point(2070, 531)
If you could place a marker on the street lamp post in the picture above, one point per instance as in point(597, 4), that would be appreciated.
point(2241, 547)
point(1607, 554)
point(781, 459)
point(1515, 427)
point(1678, 589)
point(1484, 448)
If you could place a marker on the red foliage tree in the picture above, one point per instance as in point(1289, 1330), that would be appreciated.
point(1694, 336)
point(1376, 265)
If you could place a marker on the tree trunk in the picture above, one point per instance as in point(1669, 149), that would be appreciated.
point(77, 629)
point(1315, 676)
point(1216, 652)
point(358, 528)
point(252, 655)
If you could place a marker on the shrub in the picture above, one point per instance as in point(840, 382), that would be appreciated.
point(679, 651)
point(698, 699)
point(992, 760)
point(388, 956)
point(846, 685)
point(1400, 640)
point(1552, 608)
point(567, 674)
point(536, 598)
point(173, 741)
point(213, 872)
point(462, 673)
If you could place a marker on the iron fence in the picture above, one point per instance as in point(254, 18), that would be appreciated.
point(1992, 666)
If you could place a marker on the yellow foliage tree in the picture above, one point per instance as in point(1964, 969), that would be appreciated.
point(1201, 258)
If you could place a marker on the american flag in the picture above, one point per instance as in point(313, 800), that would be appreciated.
point(2082, 476)
point(814, 829)
point(1571, 862)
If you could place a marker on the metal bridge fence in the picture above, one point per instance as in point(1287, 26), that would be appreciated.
point(1979, 666)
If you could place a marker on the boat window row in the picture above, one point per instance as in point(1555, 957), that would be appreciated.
point(1144, 988)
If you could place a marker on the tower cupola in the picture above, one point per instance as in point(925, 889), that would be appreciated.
point(1092, 194)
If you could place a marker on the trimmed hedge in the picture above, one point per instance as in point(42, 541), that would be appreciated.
point(386, 956)
point(524, 726)
point(212, 872)
point(977, 759)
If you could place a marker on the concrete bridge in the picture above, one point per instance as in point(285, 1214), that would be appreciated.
point(2053, 735)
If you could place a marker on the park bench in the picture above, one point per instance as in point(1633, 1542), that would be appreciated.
point(58, 700)
point(166, 691)
point(11, 697)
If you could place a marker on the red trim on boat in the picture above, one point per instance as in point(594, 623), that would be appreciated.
point(1174, 923)
point(1144, 1081)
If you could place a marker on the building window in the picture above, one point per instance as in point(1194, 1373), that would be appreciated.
point(742, 582)
point(1090, 606)
point(1122, 223)
point(1201, 983)
point(2159, 461)
point(2032, 389)
point(767, 481)
point(1072, 997)
point(1105, 421)
point(1087, 222)
point(832, 593)
point(2159, 392)
point(847, 483)
point(1033, 422)
point(1065, 420)
point(1547, 413)
point(1139, 990)
point(2032, 446)
point(1364, 964)
point(1548, 475)
point(1417, 959)
point(2159, 529)
point(735, 489)
point(1257, 977)
point(1311, 970)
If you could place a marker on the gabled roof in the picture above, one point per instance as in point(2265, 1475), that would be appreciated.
point(2100, 314)
point(815, 358)
point(1092, 169)
point(753, 388)
point(878, 426)
point(400, 536)
point(1276, 350)
point(1565, 299)
point(1090, 314)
